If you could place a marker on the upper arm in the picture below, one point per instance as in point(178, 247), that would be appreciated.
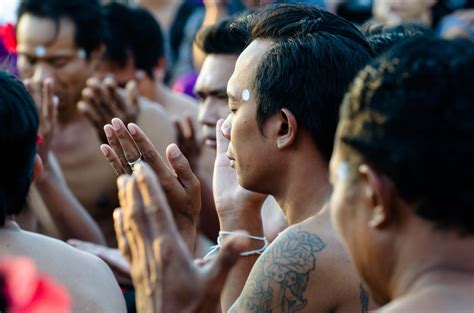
point(280, 276)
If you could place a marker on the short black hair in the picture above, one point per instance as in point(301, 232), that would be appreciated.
point(410, 114)
point(383, 38)
point(18, 130)
point(229, 36)
point(85, 14)
point(315, 56)
point(134, 32)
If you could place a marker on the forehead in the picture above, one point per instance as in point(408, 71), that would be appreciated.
point(247, 64)
point(216, 71)
point(33, 31)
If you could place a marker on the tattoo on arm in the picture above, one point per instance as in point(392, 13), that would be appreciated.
point(281, 274)
point(364, 299)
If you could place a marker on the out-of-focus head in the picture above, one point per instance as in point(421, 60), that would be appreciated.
point(18, 131)
point(222, 43)
point(398, 11)
point(134, 41)
point(404, 154)
point(61, 40)
point(295, 71)
point(383, 38)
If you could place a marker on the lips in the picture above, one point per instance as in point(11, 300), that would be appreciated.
point(210, 141)
point(232, 160)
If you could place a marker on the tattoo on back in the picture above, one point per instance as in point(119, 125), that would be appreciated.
point(282, 274)
point(364, 299)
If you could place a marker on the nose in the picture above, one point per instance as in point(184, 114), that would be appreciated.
point(41, 72)
point(208, 114)
point(226, 127)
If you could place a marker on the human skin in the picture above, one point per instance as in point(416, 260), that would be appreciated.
point(88, 280)
point(300, 269)
point(76, 146)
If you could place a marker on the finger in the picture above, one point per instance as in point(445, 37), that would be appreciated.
point(156, 207)
point(221, 141)
point(149, 152)
point(182, 168)
point(86, 109)
point(113, 159)
point(103, 101)
point(188, 129)
point(116, 147)
point(95, 105)
point(216, 272)
point(114, 94)
point(179, 131)
point(129, 148)
point(48, 104)
point(32, 90)
point(120, 234)
point(132, 94)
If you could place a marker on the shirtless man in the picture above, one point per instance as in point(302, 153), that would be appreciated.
point(89, 281)
point(284, 97)
point(62, 40)
point(135, 51)
point(404, 212)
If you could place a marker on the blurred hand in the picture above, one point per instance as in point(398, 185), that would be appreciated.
point(187, 141)
point(102, 101)
point(47, 104)
point(180, 185)
point(163, 272)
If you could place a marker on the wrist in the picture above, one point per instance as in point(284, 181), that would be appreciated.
point(247, 220)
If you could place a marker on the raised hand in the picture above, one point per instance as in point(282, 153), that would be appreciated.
point(181, 186)
point(47, 104)
point(163, 272)
point(229, 196)
point(102, 101)
point(188, 143)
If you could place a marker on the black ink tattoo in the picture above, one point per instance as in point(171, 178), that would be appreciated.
point(364, 299)
point(282, 273)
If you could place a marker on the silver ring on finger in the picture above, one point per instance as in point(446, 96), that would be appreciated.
point(137, 161)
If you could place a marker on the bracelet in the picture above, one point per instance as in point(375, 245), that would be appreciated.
point(215, 248)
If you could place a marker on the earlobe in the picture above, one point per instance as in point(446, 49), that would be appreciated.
point(378, 191)
point(287, 129)
point(37, 169)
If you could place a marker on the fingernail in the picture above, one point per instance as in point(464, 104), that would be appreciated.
point(116, 123)
point(132, 128)
point(56, 100)
point(139, 74)
point(174, 151)
point(81, 106)
point(103, 148)
point(108, 131)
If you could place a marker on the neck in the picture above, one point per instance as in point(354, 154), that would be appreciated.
point(431, 257)
point(305, 189)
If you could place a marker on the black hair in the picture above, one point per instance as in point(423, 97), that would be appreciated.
point(410, 115)
point(383, 38)
point(18, 131)
point(315, 56)
point(134, 32)
point(85, 14)
point(229, 36)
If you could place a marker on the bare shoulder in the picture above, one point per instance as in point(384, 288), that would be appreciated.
point(90, 282)
point(304, 270)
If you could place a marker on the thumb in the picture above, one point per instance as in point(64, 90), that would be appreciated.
point(181, 166)
point(220, 267)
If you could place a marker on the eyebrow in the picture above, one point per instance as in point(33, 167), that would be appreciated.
point(214, 92)
point(232, 97)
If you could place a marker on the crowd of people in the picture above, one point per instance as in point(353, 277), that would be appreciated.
point(237, 156)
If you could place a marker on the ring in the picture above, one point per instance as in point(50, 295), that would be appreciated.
point(139, 160)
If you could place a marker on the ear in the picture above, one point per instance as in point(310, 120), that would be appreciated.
point(287, 129)
point(159, 71)
point(37, 168)
point(379, 192)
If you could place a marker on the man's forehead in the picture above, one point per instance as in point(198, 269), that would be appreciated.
point(216, 71)
point(246, 66)
point(33, 31)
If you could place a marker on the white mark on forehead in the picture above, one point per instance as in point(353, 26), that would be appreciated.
point(246, 95)
point(40, 51)
point(342, 171)
point(81, 54)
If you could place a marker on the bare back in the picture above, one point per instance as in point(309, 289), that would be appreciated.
point(89, 281)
